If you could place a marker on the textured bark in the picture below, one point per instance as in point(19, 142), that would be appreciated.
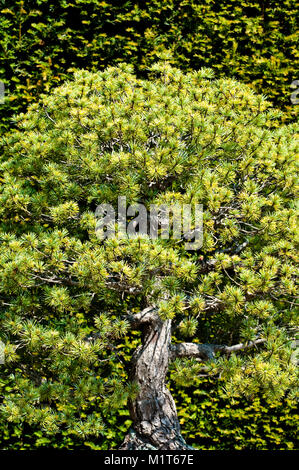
point(153, 412)
point(205, 352)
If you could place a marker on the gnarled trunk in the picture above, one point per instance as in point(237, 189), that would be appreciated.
point(153, 412)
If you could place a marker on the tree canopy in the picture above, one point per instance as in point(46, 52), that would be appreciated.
point(67, 296)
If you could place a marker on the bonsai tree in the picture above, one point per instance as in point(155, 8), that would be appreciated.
point(224, 307)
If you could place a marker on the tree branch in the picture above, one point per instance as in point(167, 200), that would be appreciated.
point(207, 351)
point(147, 315)
point(202, 351)
point(240, 346)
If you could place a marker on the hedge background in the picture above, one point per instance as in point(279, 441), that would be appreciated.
point(210, 420)
point(42, 42)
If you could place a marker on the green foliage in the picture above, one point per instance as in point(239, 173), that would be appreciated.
point(83, 428)
point(209, 420)
point(42, 42)
point(212, 421)
point(66, 296)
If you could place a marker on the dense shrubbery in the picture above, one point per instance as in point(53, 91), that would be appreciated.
point(211, 421)
point(42, 41)
point(208, 418)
